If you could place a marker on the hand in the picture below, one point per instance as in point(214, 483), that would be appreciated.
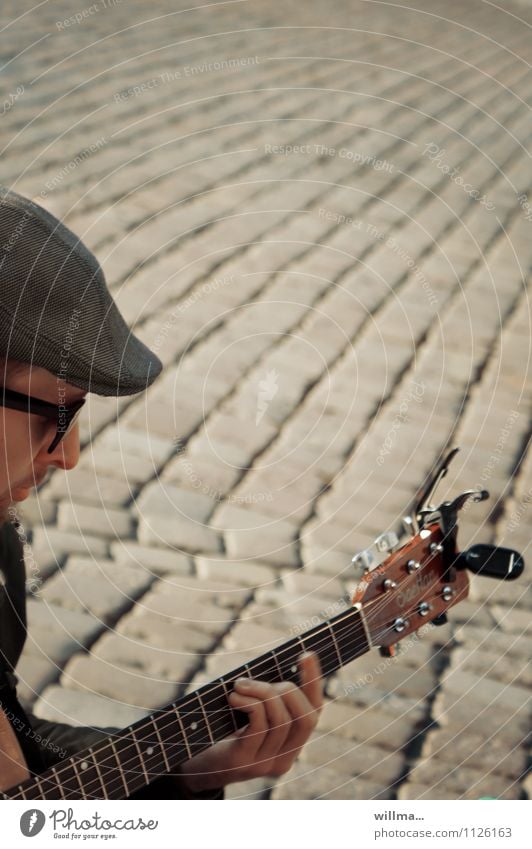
point(281, 719)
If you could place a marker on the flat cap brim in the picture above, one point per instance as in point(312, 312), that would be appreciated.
point(56, 310)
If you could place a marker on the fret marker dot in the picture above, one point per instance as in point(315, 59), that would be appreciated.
point(194, 725)
point(293, 669)
point(84, 765)
point(149, 750)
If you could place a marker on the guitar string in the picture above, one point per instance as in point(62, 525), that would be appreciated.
point(374, 603)
point(59, 771)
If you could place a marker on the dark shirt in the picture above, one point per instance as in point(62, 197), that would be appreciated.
point(54, 738)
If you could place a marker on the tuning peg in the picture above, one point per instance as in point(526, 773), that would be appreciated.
point(362, 562)
point(386, 542)
point(440, 620)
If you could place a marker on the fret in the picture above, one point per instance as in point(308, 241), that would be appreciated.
point(336, 646)
point(231, 713)
point(195, 722)
point(183, 734)
point(49, 782)
point(123, 777)
point(59, 785)
point(141, 756)
point(38, 784)
point(278, 668)
point(88, 776)
point(208, 727)
point(76, 773)
point(351, 634)
point(100, 779)
point(67, 781)
point(31, 789)
point(167, 765)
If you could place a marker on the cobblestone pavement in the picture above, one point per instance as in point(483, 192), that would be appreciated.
point(321, 224)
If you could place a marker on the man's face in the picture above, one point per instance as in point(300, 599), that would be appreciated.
point(25, 438)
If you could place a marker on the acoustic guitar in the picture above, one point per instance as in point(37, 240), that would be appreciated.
point(401, 586)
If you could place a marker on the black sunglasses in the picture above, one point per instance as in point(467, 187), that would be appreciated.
point(64, 417)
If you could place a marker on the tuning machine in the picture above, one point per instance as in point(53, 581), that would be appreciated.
point(368, 559)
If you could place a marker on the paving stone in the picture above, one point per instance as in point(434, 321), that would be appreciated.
point(374, 673)
point(135, 688)
point(494, 640)
point(136, 443)
point(257, 788)
point(85, 487)
point(466, 783)
point(326, 561)
point(131, 653)
point(486, 690)
point(351, 758)
point(129, 468)
point(179, 534)
point(165, 419)
point(250, 535)
point(55, 543)
point(372, 725)
point(299, 583)
point(199, 474)
point(202, 610)
point(104, 589)
point(253, 638)
point(100, 521)
point(33, 674)
point(511, 725)
point(514, 621)
point(473, 750)
point(158, 561)
point(80, 708)
point(164, 632)
point(307, 781)
point(498, 592)
point(60, 624)
point(246, 573)
point(37, 509)
point(501, 667)
point(167, 501)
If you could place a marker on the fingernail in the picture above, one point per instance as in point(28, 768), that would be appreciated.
point(245, 683)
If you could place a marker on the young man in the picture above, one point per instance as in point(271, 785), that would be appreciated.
point(62, 336)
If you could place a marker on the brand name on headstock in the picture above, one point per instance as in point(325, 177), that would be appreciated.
point(424, 581)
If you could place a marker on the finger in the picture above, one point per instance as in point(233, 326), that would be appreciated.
point(311, 679)
point(304, 718)
point(251, 737)
point(277, 717)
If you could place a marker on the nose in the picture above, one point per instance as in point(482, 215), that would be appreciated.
point(66, 454)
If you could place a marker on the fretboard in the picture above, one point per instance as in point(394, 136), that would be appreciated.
point(156, 745)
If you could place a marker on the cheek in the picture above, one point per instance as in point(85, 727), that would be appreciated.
point(20, 441)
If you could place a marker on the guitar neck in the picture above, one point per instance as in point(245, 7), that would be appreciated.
point(159, 743)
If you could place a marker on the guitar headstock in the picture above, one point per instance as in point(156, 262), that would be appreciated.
point(413, 586)
point(418, 582)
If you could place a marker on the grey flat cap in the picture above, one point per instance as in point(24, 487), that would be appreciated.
point(56, 311)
